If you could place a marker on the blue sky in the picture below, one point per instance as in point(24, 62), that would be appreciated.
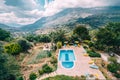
point(22, 12)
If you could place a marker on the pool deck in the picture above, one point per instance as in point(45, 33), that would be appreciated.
point(81, 66)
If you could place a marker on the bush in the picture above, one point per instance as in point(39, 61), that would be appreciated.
point(58, 35)
point(54, 47)
point(38, 38)
point(117, 75)
point(49, 54)
point(59, 45)
point(4, 35)
point(1, 48)
point(112, 59)
point(9, 67)
point(43, 38)
point(12, 48)
point(82, 77)
point(113, 67)
point(93, 54)
point(46, 68)
point(32, 76)
point(54, 60)
point(99, 46)
point(24, 44)
point(86, 41)
point(85, 47)
point(44, 54)
point(82, 32)
point(41, 72)
point(20, 78)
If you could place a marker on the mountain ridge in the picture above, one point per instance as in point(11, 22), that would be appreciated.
point(94, 17)
point(76, 15)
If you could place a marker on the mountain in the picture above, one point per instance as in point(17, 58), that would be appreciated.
point(3, 26)
point(94, 17)
point(9, 28)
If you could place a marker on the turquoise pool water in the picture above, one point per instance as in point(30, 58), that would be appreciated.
point(67, 58)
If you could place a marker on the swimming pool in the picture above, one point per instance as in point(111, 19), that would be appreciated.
point(67, 58)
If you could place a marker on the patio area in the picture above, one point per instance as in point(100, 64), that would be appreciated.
point(81, 66)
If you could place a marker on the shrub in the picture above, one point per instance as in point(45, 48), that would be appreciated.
point(4, 35)
point(54, 60)
point(99, 46)
point(24, 44)
point(44, 54)
point(12, 48)
point(32, 76)
point(93, 54)
point(11, 77)
point(9, 67)
point(86, 47)
point(54, 47)
point(117, 75)
point(82, 77)
point(112, 59)
point(46, 68)
point(59, 45)
point(1, 48)
point(43, 38)
point(113, 67)
point(82, 32)
point(20, 78)
point(41, 72)
point(49, 54)
point(86, 41)
point(58, 35)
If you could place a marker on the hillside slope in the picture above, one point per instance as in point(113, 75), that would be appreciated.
point(94, 17)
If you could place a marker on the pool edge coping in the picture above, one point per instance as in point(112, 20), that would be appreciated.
point(61, 61)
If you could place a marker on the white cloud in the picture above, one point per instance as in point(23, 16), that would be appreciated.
point(35, 13)
point(59, 5)
point(11, 18)
point(28, 11)
point(30, 4)
point(17, 15)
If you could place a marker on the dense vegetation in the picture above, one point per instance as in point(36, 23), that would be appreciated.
point(25, 45)
point(45, 69)
point(38, 38)
point(100, 19)
point(82, 32)
point(109, 38)
point(12, 48)
point(93, 54)
point(9, 67)
point(58, 35)
point(32, 76)
point(9, 48)
point(114, 67)
point(4, 35)
point(106, 38)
